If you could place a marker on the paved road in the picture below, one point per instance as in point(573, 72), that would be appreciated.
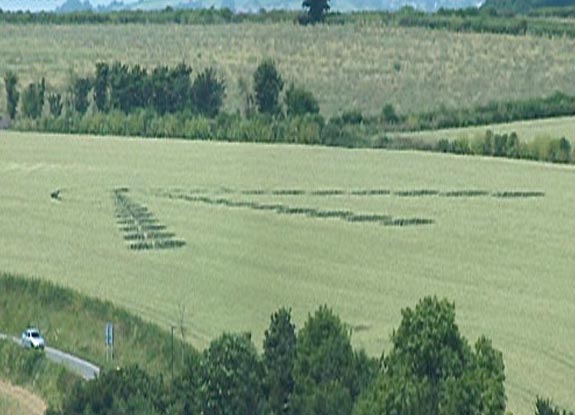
point(79, 366)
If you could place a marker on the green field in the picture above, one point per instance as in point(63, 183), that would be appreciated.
point(526, 130)
point(272, 225)
point(346, 67)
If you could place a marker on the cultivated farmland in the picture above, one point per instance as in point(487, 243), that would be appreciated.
point(526, 130)
point(367, 232)
point(346, 67)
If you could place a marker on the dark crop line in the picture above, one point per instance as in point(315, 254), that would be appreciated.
point(372, 192)
point(141, 229)
point(345, 215)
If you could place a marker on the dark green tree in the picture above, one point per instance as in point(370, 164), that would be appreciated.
point(268, 84)
point(101, 83)
point(12, 94)
point(138, 88)
point(323, 369)
point(279, 355)
point(119, 78)
point(316, 10)
point(120, 392)
point(389, 115)
point(299, 101)
point(33, 99)
point(80, 90)
point(490, 375)
point(208, 92)
point(231, 377)
point(170, 88)
point(431, 370)
point(546, 407)
point(184, 397)
point(55, 104)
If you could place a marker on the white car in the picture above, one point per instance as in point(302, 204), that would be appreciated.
point(33, 339)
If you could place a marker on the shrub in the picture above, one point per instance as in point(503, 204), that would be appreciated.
point(33, 99)
point(12, 94)
point(389, 115)
point(299, 101)
point(352, 117)
point(55, 104)
point(268, 84)
point(207, 93)
point(80, 89)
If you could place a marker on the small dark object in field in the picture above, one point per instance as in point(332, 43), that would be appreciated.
point(55, 195)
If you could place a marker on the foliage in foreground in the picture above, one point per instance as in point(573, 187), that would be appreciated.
point(430, 369)
point(546, 407)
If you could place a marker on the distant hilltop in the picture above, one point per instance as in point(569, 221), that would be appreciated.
point(255, 5)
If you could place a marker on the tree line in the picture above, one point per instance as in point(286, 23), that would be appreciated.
point(161, 90)
point(485, 19)
point(430, 369)
point(558, 150)
point(121, 99)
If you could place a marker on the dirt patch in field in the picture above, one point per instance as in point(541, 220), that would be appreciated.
point(26, 401)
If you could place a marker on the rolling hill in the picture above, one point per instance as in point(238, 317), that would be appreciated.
point(255, 5)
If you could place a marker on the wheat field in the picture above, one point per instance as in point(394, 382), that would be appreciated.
point(262, 226)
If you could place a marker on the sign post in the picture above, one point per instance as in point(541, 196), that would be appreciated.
point(109, 341)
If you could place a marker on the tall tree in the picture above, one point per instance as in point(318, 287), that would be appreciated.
point(33, 100)
point(431, 370)
point(80, 90)
point(101, 86)
point(208, 92)
point(231, 377)
point(268, 84)
point(55, 104)
point(12, 94)
point(279, 356)
point(316, 10)
point(170, 88)
point(323, 369)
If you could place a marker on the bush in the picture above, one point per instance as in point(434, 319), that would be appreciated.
point(80, 89)
point(208, 92)
point(268, 84)
point(55, 104)
point(33, 99)
point(299, 101)
point(12, 94)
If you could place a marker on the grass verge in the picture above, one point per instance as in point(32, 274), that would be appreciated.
point(76, 324)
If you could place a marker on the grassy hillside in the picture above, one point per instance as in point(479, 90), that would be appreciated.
point(34, 372)
point(349, 66)
point(76, 324)
point(266, 226)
